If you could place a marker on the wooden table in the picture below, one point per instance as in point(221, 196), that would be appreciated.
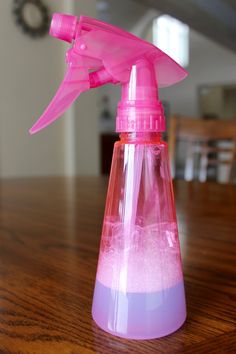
point(49, 242)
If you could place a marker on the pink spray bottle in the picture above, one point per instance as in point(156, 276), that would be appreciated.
point(139, 289)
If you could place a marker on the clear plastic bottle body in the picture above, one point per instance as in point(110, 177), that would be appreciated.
point(139, 290)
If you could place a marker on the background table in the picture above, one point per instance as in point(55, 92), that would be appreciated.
point(49, 243)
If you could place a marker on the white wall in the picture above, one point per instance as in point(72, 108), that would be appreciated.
point(209, 63)
point(30, 72)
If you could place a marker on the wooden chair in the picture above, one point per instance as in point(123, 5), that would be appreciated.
point(199, 135)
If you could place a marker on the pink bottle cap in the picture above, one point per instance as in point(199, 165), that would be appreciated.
point(63, 27)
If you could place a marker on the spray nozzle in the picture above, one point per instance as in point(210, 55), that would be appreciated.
point(63, 27)
point(101, 54)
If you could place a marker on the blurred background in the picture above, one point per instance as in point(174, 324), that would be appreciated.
point(198, 34)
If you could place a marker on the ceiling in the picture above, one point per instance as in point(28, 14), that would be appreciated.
point(214, 19)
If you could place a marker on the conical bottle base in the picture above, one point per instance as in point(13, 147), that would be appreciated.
point(139, 315)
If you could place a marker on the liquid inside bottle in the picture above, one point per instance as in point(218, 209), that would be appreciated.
point(139, 289)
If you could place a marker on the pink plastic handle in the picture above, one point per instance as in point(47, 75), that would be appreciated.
point(120, 50)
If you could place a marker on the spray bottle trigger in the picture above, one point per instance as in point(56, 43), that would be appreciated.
point(75, 82)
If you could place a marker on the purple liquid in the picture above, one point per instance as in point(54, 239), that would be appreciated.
point(139, 315)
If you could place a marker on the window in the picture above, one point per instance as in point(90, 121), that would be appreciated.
point(172, 36)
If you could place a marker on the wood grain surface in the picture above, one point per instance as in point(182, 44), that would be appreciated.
point(49, 243)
